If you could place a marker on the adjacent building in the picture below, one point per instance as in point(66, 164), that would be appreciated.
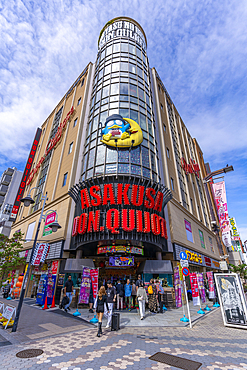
point(121, 171)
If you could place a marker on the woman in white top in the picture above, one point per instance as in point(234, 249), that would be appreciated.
point(142, 299)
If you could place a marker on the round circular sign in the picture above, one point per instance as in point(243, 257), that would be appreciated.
point(183, 256)
point(185, 271)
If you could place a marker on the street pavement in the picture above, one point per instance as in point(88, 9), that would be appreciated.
point(208, 342)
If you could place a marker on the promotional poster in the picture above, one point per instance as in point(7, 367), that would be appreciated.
point(211, 288)
point(177, 285)
point(85, 286)
point(195, 289)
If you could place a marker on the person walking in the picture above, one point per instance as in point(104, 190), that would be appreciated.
point(111, 299)
point(91, 300)
point(127, 291)
point(68, 291)
point(138, 281)
point(6, 289)
point(120, 294)
point(142, 299)
point(133, 294)
point(161, 292)
point(152, 300)
point(100, 304)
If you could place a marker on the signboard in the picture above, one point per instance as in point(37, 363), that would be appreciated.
point(195, 258)
point(120, 249)
point(177, 287)
point(188, 231)
point(211, 288)
point(26, 174)
point(185, 271)
point(94, 274)
point(8, 313)
point(183, 256)
point(121, 261)
point(232, 300)
point(192, 167)
point(219, 192)
point(50, 218)
point(201, 239)
point(184, 263)
point(54, 267)
point(223, 265)
point(85, 286)
point(40, 253)
point(234, 228)
point(195, 289)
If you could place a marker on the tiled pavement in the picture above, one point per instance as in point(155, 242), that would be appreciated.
point(209, 342)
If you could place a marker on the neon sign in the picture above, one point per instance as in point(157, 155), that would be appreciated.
point(51, 144)
point(192, 167)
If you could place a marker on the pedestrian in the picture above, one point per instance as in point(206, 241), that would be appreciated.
point(111, 299)
point(100, 304)
point(152, 300)
point(133, 294)
point(120, 294)
point(142, 299)
point(127, 291)
point(6, 289)
point(68, 291)
point(138, 281)
point(91, 300)
point(161, 292)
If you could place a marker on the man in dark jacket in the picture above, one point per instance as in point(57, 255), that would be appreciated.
point(120, 294)
point(68, 291)
point(111, 299)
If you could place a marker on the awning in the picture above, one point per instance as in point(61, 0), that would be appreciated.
point(77, 264)
point(156, 267)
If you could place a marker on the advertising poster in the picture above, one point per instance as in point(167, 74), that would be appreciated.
point(50, 218)
point(219, 192)
point(85, 286)
point(94, 274)
point(195, 289)
point(121, 261)
point(211, 288)
point(188, 231)
point(232, 300)
point(177, 286)
point(201, 287)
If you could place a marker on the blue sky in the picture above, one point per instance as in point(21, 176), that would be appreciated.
point(198, 48)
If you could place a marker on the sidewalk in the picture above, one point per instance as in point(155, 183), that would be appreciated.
point(170, 318)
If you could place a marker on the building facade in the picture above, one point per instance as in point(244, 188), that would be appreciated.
point(121, 170)
point(9, 184)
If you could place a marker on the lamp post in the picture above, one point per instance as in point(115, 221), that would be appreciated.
point(207, 179)
point(55, 225)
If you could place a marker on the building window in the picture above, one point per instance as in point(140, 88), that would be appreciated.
point(161, 106)
point(70, 147)
point(159, 87)
point(79, 101)
point(164, 126)
point(172, 183)
point(191, 202)
point(65, 178)
point(75, 122)
point(82, 82)
point(168, 153)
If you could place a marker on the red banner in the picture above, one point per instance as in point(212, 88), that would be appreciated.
point(54, 267)
point(195, 289)
point(94, 273)
point(211, 289)
point(40, 253)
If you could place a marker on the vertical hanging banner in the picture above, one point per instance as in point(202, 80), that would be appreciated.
point(26, 174)
point(219, 192)
point(177, 286)
point(40, 253)
point(85, 286)
point(201, 287)
point(211, 288)
point(195, 289)
point(94, 273)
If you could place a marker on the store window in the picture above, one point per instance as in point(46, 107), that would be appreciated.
point(65, 178)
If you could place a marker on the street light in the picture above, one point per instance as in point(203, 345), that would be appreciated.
point(218, 172)
point(55, 226)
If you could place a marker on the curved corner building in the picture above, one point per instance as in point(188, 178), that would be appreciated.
point(120, 199)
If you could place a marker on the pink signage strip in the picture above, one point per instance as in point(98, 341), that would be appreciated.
point(50, 218)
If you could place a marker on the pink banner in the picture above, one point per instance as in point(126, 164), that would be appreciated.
point(94, 273)
point(201, 287)
point(85, 286)
point(219, 191)
point(211, 288)
point(177, 287)
point(195, 289)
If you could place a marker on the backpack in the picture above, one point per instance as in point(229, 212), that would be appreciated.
point(150, 289)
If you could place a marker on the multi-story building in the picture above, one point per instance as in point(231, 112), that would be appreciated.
point(121, 170)
point(9, 184)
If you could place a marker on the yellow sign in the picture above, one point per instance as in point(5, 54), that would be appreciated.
point(121, 132)
point(193, 256)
